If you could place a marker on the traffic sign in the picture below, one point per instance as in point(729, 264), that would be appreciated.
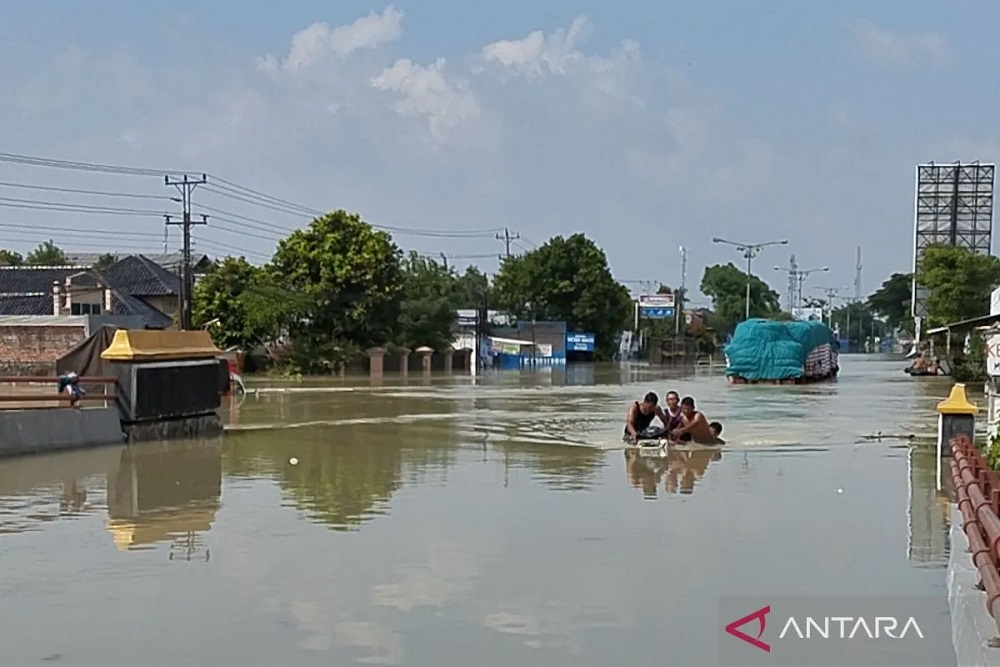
point(656, 313)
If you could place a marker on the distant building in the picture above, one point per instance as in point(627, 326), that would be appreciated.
point(171, 261)
point(133, 286)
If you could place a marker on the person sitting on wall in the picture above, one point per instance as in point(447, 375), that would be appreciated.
point(69, 383)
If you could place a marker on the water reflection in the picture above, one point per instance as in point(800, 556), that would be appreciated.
point(927, 511)
point(346, 477)
point(166, 493)
point(476, 522)
point(680, 469)
point(152, 493)
point(64, 485)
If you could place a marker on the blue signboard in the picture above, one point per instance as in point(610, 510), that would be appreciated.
point(579, 341)
point(656, 313)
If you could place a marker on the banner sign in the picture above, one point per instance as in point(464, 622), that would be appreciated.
point(578, 341)
point(656, 306)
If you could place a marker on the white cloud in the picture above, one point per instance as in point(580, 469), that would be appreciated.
point(448, 575)
point(539, 132)
point(425, 92)
point(538, 54)
point(312, 45)
point(560, 54)
point(888, 48)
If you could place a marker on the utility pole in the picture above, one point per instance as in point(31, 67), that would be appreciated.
point(444, 259)
point(185, 186)
point(857, 276)
point(831, 293)
point(506, 237)
point(793, 288)
point(679, 296)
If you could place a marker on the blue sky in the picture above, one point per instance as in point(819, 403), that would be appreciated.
point(646, 127)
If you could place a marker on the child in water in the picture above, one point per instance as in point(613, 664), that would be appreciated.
point(716, 429)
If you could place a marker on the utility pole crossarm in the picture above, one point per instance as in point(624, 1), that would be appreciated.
point(507, 237)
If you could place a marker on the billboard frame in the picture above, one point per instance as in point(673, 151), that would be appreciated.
point(953, 204)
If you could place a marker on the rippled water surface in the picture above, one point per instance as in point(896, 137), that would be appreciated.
point(444, 521)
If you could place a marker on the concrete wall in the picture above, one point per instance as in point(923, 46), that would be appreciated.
point(971, 625)
point(47, 430)
point(33, 349)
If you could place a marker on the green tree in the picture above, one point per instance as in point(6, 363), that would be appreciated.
point(470, 287)
point(46, 254)
point(242, 306)
point(959, 282)
point(10, 258)
point(427, 307)
point(105, 260)
point(349, 276)
point(857, 323)
point(892, 301)
point(567, 279)
point(726, 285)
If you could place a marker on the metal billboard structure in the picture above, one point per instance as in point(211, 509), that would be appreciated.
point(954, 206)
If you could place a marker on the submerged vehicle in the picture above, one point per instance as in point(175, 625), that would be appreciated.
point(768, 351)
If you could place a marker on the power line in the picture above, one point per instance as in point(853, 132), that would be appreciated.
point(221, 187)
point(102, 193)
point(45, 205)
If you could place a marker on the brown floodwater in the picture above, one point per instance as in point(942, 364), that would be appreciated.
point(450, 521)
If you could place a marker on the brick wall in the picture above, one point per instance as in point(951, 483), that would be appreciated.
point(33, 349)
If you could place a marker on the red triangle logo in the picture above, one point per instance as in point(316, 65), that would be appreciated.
point(761, 616)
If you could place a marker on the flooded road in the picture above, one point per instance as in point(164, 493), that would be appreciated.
point(450, 522)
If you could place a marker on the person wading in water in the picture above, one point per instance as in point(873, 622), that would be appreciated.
point(640, 417)
point(675, 417)
point(695, 427)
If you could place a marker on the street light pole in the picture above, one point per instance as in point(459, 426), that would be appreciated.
point(749, 250)
point(800, 279)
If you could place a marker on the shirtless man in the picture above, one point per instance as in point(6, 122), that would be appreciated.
point(640, 417)
point(695, 427)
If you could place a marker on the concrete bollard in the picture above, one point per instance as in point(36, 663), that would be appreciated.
point(376, 355)
point(956, 418)
point(425, 358)
point(404, 361)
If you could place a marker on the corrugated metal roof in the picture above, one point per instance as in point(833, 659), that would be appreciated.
point(43, 320)
point(26, 304)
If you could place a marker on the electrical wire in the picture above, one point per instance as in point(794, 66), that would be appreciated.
point(227, 188)
point(103, 193)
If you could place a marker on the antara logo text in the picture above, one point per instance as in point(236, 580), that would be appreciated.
point(824, 627)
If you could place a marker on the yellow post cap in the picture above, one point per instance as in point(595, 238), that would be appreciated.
point(155, 345)
point(957, 403)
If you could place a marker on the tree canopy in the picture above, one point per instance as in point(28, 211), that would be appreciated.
point(46, 254)
point(858, 323)
point(241, 306)
point(892, 301)
point(959, 281)
point(10, 258)
point(428, 303)
point(726, 285)
point(566, 279)
point(350, 275)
